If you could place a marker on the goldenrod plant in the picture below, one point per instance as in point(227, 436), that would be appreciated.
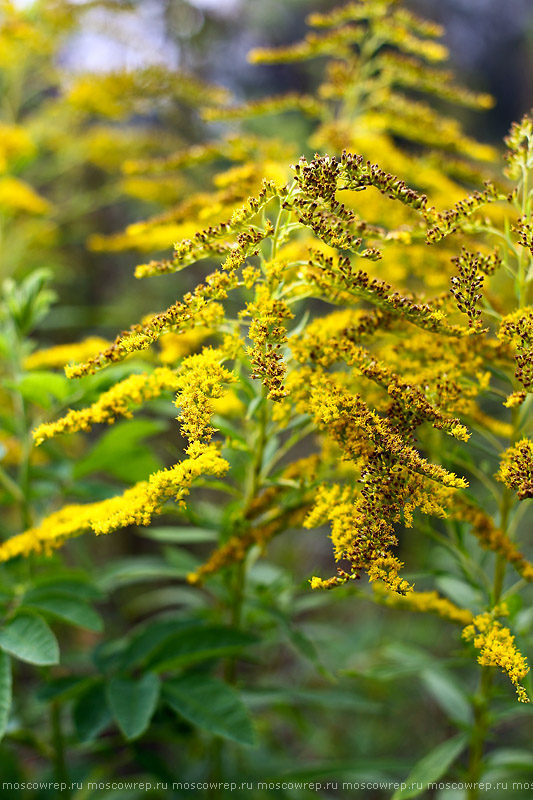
point(356, 357)
point(64, 132)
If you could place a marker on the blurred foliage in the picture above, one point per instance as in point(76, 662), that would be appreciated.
point(193, 650)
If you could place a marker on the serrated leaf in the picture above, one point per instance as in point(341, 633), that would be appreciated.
point(133, 702)
point(68, 609)
point(212, 705)
point(198, 643)
point(431, 767)
point(5, 691)
point(91, 713)
point(28, 638)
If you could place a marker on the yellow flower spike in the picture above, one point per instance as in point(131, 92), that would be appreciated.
point(424, 602)
point(174, 346)
point(197, 309)
point(62, 354)
point(135, 506)
point(516, 468)
point(267, 332)
point(122, 93)
point(515, 399)
point(16, 195)
point(517, 330)
point(235, 549)
point(497, 648)
point(117, 401)
point(491, 537)
point(200, 382)
point(386, 569)
point(15, 142)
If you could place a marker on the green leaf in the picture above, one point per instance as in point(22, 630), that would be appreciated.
point(5, 691)
point(68, 609)
point(368, 769)
point(63, 688)
point(43, 388)
point(142, 643)
point(133, 702)
point(198, 643)
point(510, 758)
point(331, 699)
point(229, 430)
point(75, 585)
point(28, 638)
point(156, 600)
point(136, 570)
point(514, 603)
point(210, 704)
point(253, 407)
point(448, 695)
point(299, 640)
point(91, 713)
point(180, 558)
point(460, 592)
point(119, 452)
point(431, 767)
point(185, 535)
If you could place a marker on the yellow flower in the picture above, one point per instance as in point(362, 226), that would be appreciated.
point(15, 195)
point(200, 381)
point(426, 602)
point(497, 648)
point(117, 401)
point(62, 354)
point(135, 506)
point(516, 468)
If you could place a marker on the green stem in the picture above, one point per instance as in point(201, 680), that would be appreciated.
point(23, 431)
point(479, 732)
point(60, 765)
point(13, 488)
point(237, 582)
point(481, 701)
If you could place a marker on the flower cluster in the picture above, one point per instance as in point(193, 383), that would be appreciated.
point(517, 330)
point(424, 602)
point(62, 354)
point(493, 538)
point(497, 648)
point(267, 332)
point(519, 146)
point(201, 380)
point(516, 468)
point(466, 287)
point(136, 506)
point(116, 402)
point(444, 223)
